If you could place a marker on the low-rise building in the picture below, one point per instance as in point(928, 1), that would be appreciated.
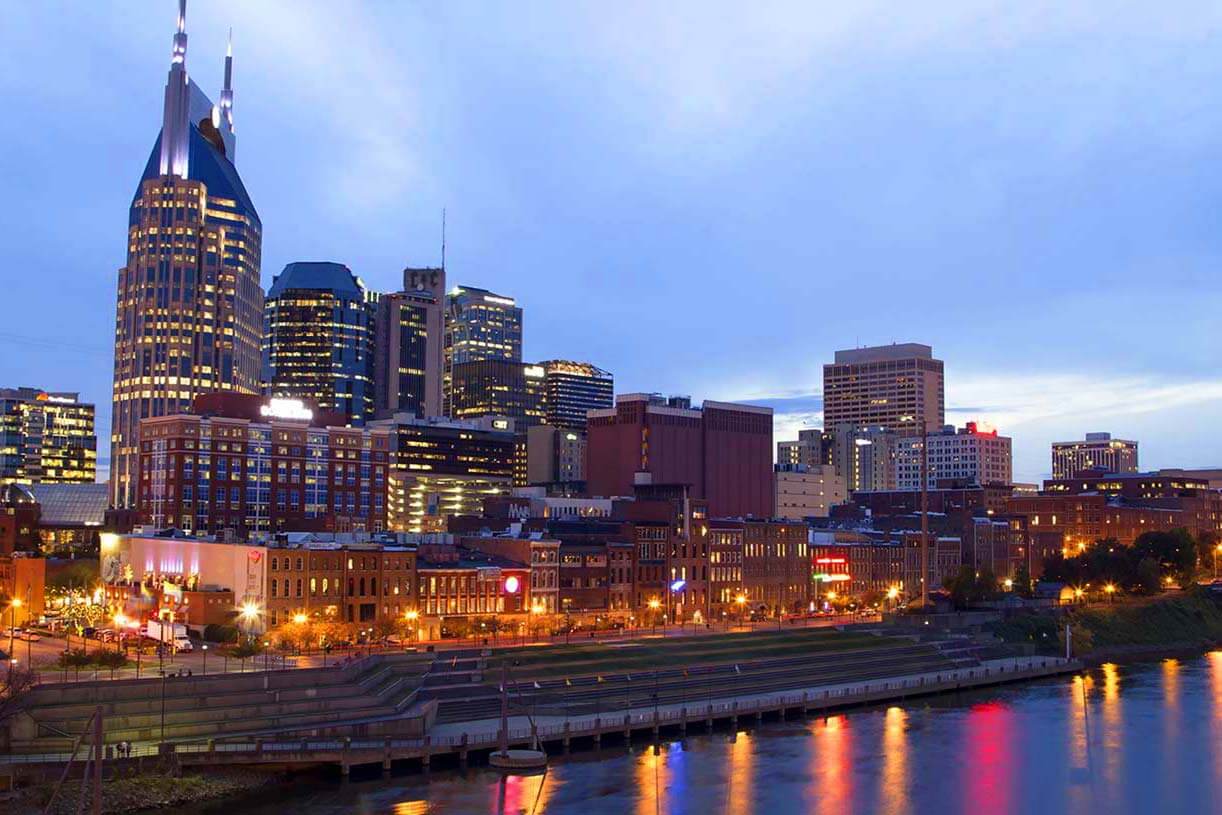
point(807, 491)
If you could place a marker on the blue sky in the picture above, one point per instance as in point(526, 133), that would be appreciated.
point(705, 199)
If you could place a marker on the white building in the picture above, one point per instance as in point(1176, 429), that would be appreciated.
point(807, 492)
point(973, 454)
point(1099, 451)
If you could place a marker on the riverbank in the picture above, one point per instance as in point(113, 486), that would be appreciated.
point(143, 793)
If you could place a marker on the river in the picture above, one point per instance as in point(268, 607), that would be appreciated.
point(1143, 737)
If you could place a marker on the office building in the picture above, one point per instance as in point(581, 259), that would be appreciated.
point(572, 389)
point(555, 457)
point(498, 387)
point(897, 387)
point(446, 467)
point(408, 355)
point(865, 457)
point(1098, 451)
point(813, 448)
point(807, 492)
point(46, 438)
point(974, 454)
point(189, 307)
point(480, 325)
point(244, 465)
point(318, 339)
point(722, 452)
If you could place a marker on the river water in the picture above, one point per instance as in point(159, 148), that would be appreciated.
point(1137, 738)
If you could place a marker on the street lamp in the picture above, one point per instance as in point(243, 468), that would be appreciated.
point(411, 616)
point(654, 605)
point(1110, 589)
point(13, 605)
point(741, 601)
point(249, 613)
point(1008, 583)
point(205, 650)
point(893, 594)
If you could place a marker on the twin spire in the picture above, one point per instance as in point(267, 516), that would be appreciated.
point(176, 118)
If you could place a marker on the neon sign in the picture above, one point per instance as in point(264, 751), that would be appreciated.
point(286, 409)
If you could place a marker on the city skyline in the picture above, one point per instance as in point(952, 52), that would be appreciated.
point(540, 209)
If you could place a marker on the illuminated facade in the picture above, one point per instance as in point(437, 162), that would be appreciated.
point(189, 309)
point(480, 325)
point(574, 388)
point(497, 387)
point(408, 357)
point(813, 448)
point(897, 387)
point(46, 438)
point(1099, 451)
point(443, 467)
point(248, 466)
point(973, 454)
point(318, 338)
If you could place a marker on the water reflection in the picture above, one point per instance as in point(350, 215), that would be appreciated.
point(1138, 738)
point(893, 781)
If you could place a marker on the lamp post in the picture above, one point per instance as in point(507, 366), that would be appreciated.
point(1110, 590)
point(205, 650)
point(13, 605)
point(741, 601)
point(411, 616)
point(893, 594)
point(654, 605)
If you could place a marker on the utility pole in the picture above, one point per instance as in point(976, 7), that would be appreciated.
point(924, 512)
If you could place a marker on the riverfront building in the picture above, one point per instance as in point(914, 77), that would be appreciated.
point(189, 306)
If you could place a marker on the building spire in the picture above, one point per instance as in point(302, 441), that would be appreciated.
point(227, 91)
point(175, 124)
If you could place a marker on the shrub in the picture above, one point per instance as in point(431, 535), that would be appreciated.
point(220, 633)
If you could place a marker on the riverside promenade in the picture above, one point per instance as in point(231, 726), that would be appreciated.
point(472, 740)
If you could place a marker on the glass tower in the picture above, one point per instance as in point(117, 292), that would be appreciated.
point(189, 308)
point(480, 325)
point(318, 338)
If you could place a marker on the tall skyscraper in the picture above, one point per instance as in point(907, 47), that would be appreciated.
point(46, 438)
point(1099, 451)
point(189, 310)
point(897, 387)
point(480, 325)
point(572, 389)
point(408, 358)
point(318, 338)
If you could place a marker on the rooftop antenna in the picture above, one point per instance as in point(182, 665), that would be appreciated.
point(443, 238)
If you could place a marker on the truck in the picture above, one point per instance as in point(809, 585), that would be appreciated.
point(171, 634)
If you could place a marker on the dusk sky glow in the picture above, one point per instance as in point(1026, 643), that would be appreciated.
point(701, 201)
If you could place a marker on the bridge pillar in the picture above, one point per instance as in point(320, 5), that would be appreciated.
point(683, 721)
point(627, 727)
point(598, 732)
point(734, 715)
point(211, 747)
point(258, 747)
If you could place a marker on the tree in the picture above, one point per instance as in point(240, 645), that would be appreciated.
point(1022, 580)
point(1148, 576)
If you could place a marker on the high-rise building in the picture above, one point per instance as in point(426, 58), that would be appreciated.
point(721, 451)
point(318, 339)
point(189, 310)
point(498, 387)
point(865, 457)
point(973, 454)
point(897, 387)
point(1099, 451)
point(813, 448)
point(46, 438)
point(573, 389)
point(480, 325)
point(408, 357)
